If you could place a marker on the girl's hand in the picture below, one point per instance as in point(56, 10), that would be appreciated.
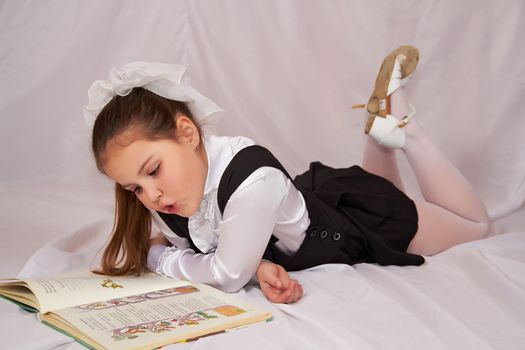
point(276, 285)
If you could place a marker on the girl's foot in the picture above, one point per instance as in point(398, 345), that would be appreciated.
point(395, 72)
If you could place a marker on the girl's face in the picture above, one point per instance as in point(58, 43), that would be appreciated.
point(166, 175)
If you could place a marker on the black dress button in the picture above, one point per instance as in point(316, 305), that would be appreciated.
point(336, 236)
point(324, 234)
point(313, 233)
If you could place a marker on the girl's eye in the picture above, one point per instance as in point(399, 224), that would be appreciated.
point(155, 171)
point(137, 190)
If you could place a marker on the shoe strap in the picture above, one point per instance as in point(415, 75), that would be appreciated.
point(406, 119)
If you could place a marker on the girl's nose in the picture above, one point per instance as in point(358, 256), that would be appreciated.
point(154, 195)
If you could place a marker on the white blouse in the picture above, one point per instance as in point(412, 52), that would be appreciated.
point(265, 203)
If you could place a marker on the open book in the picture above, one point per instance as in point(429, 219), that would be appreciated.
point(130, 312)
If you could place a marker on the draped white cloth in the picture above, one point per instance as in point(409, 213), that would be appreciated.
point(285, 73)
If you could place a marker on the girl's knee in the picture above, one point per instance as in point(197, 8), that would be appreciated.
point(435, 239)
point(484, 229)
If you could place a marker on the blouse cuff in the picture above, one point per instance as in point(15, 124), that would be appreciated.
point(167, 251)
point(154, 254)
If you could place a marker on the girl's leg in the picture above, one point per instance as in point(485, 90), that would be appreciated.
point(440, 229)
point(452, 212)
point(378, 159)
point(382, 161)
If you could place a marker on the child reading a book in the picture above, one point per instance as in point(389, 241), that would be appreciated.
point(221, 210)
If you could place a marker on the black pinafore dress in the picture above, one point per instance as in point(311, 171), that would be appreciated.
point(355, 216)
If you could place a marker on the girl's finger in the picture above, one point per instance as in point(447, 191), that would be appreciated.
point(272, 294)
point(293, 294)
point(298, 293)
point(291, 284)
point(270, 288)
point(285, 296)
point(283, 277)
point(274, 281)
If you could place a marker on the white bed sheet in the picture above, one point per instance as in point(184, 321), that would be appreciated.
point(286, 73)
point(469, 297)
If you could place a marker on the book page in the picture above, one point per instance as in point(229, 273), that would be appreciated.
point(158, 318)
point(70, 290)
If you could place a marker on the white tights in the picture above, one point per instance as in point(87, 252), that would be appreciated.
point(451, 213)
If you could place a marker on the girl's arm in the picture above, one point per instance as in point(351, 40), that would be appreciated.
point(248, 222)
point(275, 283)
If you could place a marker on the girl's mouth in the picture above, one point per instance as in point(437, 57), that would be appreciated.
point(171, 209)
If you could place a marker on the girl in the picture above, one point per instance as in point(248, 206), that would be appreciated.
point(224, 209)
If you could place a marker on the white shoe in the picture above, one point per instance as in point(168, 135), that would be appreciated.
point(395, 72)
point(396, 79)
point(388, 131)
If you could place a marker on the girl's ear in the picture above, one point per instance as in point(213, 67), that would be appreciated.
point(186, 131)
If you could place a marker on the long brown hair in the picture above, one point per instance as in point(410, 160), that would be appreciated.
point(153, 117)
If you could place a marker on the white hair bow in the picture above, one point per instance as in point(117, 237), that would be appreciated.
point(160, 78)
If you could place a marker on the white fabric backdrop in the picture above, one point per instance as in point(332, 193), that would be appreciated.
point(285, 72)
